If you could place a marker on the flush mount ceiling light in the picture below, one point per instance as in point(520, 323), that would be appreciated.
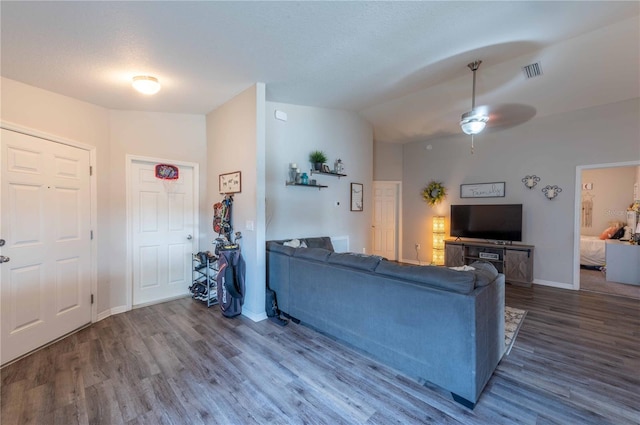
point(474, 121)
point(146, 84)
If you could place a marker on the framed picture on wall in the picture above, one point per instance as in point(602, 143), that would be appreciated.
point(357, 196)
point(230, 182)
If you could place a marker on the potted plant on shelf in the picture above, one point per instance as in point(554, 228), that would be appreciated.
point(317, 158)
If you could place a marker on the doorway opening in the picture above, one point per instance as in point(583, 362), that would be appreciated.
point(603, 194)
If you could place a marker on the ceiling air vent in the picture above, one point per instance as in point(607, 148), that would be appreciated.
point(532, 70)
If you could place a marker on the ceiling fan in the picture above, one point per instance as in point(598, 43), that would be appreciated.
point(495, 117)
point(474, 121)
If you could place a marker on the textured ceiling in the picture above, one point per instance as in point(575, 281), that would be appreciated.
point(401, 64)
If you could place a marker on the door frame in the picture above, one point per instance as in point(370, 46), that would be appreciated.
point(578, 210)
point(93, 188)
point(398, 185)
point(130, 159)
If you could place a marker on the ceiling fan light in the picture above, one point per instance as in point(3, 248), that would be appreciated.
point(146, 84)
point(473, 122)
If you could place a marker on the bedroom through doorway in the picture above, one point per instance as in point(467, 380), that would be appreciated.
point(607, 190)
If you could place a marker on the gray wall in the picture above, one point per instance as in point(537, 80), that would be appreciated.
point(293, 211)
point(387, 161)
point(550, 147)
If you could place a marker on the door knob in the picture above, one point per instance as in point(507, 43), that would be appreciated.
point(1, 242)
point(4, 259)
point(189, 237)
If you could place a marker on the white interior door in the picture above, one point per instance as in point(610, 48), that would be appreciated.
point(45, 218)
point(163, 225)
point(385, 219)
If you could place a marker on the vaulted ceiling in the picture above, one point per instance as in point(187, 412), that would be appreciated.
point(401, 65)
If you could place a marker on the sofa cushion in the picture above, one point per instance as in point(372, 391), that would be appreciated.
point(277, 247)
point(357, 261)
point(485, 272)
point(317, 254)
point(437, 277)
point(319, 242)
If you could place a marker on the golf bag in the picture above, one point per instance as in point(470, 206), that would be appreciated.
point(230, 281)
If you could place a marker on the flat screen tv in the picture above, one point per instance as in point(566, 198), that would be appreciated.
point(499, 222)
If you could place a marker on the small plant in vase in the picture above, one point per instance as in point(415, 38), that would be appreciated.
point(317, 158)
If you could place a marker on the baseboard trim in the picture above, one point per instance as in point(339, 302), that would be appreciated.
point(414, 262)
point(163, 300)
point(553, 284)
point(103, 315)
point(110, 312)
point(256, 317)
point(119, 309)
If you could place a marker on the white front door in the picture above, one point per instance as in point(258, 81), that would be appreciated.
point(385, 219)
point(163, 226)
point(45, 216)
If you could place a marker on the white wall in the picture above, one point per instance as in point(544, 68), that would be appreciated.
point(612, 193)
point(236, 142)
point(300, 211)
point(114, 134)
point(82, 122)
point(550, 147)
point(178, 137)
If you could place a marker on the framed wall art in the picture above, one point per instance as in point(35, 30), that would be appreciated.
point(482, 190)
point(230, 182)
point(357, 196)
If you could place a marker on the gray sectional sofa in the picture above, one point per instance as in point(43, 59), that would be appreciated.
point(432, 323)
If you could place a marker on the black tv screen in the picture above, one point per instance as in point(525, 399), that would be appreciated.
point(502, 222)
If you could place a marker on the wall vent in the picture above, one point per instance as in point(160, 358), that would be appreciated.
point(532, 70)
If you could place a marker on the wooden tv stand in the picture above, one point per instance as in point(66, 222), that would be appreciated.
point(514, 260)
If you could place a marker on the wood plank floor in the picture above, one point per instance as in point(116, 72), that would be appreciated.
point(575, 361)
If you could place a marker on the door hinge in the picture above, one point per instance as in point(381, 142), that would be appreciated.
point(91, 234)
point(91, 298)
point(91, 170)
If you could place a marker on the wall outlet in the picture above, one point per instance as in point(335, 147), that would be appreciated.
point(417, 246)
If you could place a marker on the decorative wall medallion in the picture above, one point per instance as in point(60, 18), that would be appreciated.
point(530, 181)
point(551, 191)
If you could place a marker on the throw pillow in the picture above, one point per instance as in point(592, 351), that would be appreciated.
point(618, 234)
point(295, 243)
point(608, 232)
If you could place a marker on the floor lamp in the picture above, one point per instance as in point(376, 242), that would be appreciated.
point(437, 258)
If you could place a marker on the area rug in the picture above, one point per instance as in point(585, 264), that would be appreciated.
point(513, 318)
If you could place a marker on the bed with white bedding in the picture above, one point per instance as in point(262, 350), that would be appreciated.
point(592, 251)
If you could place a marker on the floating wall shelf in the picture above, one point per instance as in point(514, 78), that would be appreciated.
point(338, 175)
point(319, 186)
